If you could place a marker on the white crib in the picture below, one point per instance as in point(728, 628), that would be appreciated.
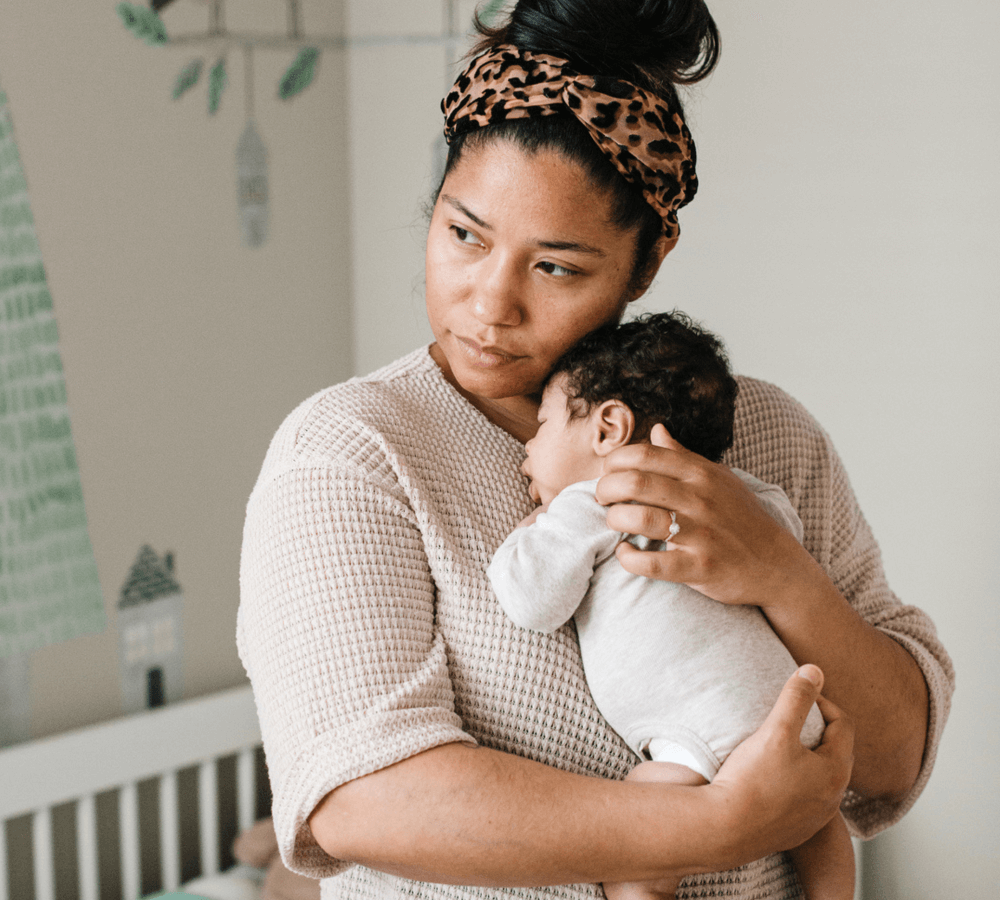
point(77, 768)
point(147, 752)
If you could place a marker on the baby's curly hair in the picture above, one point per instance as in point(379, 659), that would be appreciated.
point(665, 368)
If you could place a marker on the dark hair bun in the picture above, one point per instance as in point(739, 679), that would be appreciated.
point(653, 43)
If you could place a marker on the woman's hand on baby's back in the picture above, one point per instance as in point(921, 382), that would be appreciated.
point(727, 547)
point(775, 792)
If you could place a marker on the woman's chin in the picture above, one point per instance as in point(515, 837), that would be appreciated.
point(495, 384)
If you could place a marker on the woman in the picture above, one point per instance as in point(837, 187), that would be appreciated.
point(409, 726)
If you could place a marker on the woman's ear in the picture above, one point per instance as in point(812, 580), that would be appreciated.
point(659, 253)
point(614, 425)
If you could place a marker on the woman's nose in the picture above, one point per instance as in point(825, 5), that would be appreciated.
point(497, 299)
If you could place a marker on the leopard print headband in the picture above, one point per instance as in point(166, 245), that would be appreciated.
point(642, 134)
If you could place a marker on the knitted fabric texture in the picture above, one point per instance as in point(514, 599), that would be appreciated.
point(370, 633)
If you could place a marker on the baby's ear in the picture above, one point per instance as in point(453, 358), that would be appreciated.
point(614, 425)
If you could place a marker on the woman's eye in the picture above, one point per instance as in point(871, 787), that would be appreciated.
point(464, 235)
point(552, 268)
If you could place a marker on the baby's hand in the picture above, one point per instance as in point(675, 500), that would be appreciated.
point(534, 514)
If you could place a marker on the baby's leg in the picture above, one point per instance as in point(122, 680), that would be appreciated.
point(666, 888)
point(825, 863)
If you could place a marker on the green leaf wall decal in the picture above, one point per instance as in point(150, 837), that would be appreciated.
point(216, 84)
point(143, 23)
point(300, 73)
point(188, 78)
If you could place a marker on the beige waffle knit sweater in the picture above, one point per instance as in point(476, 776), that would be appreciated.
point(370, 633)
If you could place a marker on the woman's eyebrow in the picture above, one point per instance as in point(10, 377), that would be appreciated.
point(573, 246)
point(465, 211)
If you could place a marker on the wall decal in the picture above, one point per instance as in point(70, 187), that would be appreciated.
point(188, 78)
point(251, 155)
point(143, 23)
point(150, 648)
point(217, 80)
point(49, 589)
point(251, 175)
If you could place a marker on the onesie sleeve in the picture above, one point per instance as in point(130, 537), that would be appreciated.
point(336, 629)
point(780, 442)
point(540, 574)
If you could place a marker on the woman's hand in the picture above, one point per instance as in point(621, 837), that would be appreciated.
point(800, 789)
point(728, 547)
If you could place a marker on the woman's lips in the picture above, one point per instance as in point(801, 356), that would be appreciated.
point(485, 356)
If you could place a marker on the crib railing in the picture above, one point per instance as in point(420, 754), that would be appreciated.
point(78, 767)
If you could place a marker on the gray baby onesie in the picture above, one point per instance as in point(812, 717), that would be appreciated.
point(682, 678)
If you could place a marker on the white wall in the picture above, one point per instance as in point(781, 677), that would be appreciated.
point(844, 243)
point(183, 350)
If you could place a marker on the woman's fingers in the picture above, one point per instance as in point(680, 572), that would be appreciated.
point(797, 697)
point(633, 518)
point(838, 736)
point(788, 791)
point(647, 472)
point(660, 437)
point(666, 565)
point(633, 484)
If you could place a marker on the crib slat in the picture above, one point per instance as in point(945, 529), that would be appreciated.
point(208, 817)
point(170, 864)
point(86, 847)
point(41, 843)
point(246, 794)
point(128, 828)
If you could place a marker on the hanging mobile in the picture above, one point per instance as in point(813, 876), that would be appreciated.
point(251, 169)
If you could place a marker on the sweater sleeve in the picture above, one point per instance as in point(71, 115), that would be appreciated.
point(540, 574)
point(780, 442)
point(336, 629)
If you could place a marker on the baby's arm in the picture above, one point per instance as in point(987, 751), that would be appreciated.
point(542, 571)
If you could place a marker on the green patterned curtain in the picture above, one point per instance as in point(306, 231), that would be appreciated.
point(48, 577)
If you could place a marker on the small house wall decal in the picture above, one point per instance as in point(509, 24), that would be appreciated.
point(149, 633)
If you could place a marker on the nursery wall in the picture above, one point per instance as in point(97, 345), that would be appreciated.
point(844, 243)
point(183, 349)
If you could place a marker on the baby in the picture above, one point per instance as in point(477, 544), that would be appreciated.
point(683, 679)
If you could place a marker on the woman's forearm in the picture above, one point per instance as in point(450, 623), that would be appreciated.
point(465, 815)
point(868, 674)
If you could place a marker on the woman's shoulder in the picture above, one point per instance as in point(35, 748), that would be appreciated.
point(766, 405)
point(776, 438)
point(348, 422)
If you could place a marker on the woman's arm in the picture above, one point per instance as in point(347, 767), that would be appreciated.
point(464, 815)
point(731, 550)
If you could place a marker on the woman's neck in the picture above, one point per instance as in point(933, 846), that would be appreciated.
point(518, 416)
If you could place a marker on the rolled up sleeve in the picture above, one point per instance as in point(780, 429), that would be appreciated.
point(337, 632)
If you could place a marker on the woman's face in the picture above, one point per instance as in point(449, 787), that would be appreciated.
point(522, 261)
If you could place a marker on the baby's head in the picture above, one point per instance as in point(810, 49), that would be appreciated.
point(612, 387)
